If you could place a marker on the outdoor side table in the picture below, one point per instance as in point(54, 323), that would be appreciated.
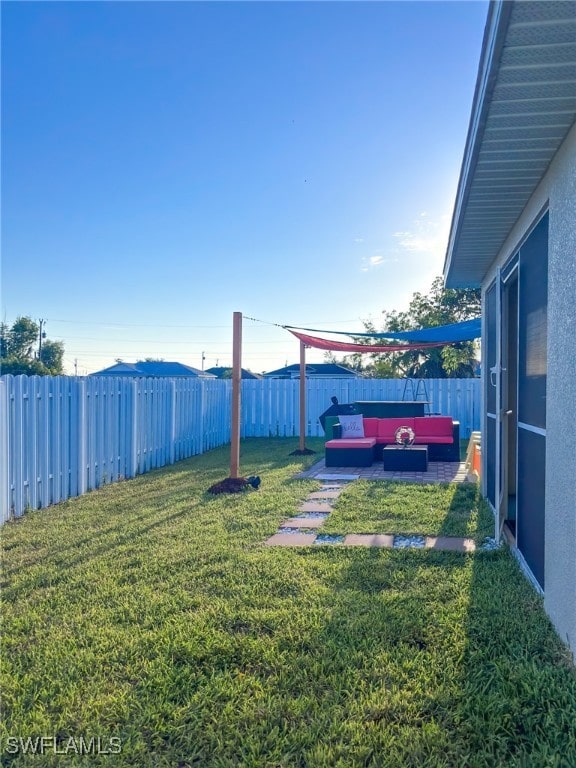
point(400, 459)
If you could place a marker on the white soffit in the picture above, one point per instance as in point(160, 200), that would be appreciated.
point(524, 106)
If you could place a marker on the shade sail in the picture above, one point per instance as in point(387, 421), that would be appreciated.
point(467, 330)
point(342, 346)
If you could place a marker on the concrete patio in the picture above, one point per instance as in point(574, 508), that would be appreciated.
point(438, 472)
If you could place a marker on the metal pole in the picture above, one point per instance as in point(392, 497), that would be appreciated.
point(236, 386)
point(302, 443)
point(41, 323)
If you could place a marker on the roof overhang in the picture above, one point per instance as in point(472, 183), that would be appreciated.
point(524, 106)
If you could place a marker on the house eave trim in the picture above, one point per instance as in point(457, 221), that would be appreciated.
point(492, 45)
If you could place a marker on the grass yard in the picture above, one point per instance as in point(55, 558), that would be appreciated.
point(149, 612)
point(408, 508)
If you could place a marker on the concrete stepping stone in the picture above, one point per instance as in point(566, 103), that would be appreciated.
point(283, 539)
point(291, 535)
point(328, 476)
point(450, 543)
point(304, 522)
point(308, 515)
point(328, 494)
point(369, 540)
point(315, 506)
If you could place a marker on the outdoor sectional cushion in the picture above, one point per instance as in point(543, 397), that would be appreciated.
point(428, 429)
point(371, 427)
point(387, 428)
point(352, 442)
point(433, 429)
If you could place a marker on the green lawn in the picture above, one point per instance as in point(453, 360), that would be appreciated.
point(149, 612)
point(408, 508)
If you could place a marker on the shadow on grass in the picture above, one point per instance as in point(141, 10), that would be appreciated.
point(144, 507)
point(432, 509)
point(442, 659)
point(468, 514)
point(65, 564)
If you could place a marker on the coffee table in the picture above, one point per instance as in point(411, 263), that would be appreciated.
point(400, 459)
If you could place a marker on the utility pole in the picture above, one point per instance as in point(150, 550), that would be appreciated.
point(41, 335)
point(302, 441)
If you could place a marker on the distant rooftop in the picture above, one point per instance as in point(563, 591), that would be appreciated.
point(318, 370)
point(224, 372)
point(153, 369)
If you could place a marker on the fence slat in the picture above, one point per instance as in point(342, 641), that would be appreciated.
point(4, 452)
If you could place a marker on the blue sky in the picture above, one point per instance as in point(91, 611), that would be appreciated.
point(165, 164)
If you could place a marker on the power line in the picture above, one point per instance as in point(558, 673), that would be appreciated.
point(115, 352)
point(164, 342)
point(284, 326)
point(160, 325)
point(133, 325)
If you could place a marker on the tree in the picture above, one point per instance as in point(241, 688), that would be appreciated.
point(15, 367)
point(22, 337)
point(20, 351)
point(4, 334)
point(52, 356)
point(442, 306)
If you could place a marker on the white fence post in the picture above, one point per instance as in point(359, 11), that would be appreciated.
point(82, 439)
point(133, 454)
point(20, 462)
point(172, 422)
point(4, 453)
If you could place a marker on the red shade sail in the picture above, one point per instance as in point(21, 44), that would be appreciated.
point(343, 346)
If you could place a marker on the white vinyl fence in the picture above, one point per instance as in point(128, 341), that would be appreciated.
point(272, 406)
point(62, 436)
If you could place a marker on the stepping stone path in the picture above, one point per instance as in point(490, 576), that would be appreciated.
point(303, 530)
point(311, 516)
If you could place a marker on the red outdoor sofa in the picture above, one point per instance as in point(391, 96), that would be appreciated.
point(440, 433)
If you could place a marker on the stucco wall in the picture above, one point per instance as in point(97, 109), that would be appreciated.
point(560, 597)
point(557, 191)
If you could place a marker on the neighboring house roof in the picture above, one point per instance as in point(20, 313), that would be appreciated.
point(524, 106)
point(312, 371)
point(154, 369)
point(222, 372)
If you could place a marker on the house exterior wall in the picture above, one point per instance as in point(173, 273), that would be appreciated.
point(557, 193)
point(561, 415)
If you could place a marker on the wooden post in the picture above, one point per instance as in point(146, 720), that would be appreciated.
point(302, 443)
point(236, 386)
